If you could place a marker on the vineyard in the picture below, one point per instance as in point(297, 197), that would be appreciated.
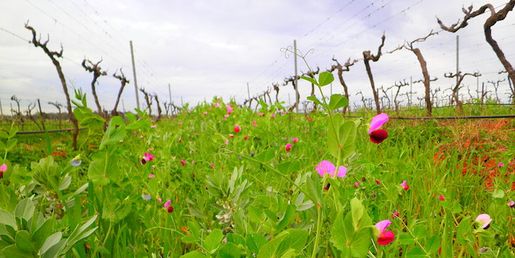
point(337, 170)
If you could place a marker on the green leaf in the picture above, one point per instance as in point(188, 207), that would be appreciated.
point(25, 209)
point(309, 79)
point(361, 242)
point(254, 242)
point(348, 135)
point(283, 243)
point(498, 194)
point(24, 241)
point(8, 219)
point(213, 240)
point(294, 240)
point(287, 218)
point(42, 232)
point(194, 254)
point(13, 252)
point(338, 101)
point(80, 233)
point(229, 251)
point(314, 188)
point(342, 232)
point(115, 132)
point(51, 241)
point(99, 170)
point(325, 78)
point(357, 211)
point(315, 100)
point(65, 183)
point(464, 231)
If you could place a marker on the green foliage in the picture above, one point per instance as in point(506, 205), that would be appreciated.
point(248, 197)
point(26, 233)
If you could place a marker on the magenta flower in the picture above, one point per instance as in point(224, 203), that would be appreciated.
point(441, 197)
point(288, 147)
point(378, 135)
point(326, 167)
point(295, 140)
point(147, 157)
point(384, 237)
point(500, 164)
point(484, 220)
point(229, 109)
point(3, 168)
point(168, 206)
point(405, 185)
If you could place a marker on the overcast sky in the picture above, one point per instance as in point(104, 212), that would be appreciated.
point(213, 48)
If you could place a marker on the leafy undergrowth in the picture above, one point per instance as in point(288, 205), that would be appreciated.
point(222, 181)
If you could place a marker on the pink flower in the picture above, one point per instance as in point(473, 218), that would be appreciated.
point(326, 167)
point(183, 162)
point(395, 214)
point(384, 237)
point(405, 185)
point(441, 197)
point(167, 204)
point(511, 203)
point(484, 220)
point(378, 135)
point(147, 157)
point(237, 128)
point(151, 176)
point(295, 140)
point(356, 184)
point(254, 123)
point(3, 168)
point(217, 105)
point(288, 147)
point(229, 109)
point(500, 164)
point(226, 116)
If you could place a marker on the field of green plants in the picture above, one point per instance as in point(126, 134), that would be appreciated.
point(223, 181)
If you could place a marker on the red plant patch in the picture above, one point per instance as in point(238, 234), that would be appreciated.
point(480, 146)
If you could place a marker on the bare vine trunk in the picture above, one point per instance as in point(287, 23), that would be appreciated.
point(372, 84)
point(427, 81)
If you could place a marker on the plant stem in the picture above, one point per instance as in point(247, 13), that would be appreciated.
point(317, 236)
point(414, 237)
